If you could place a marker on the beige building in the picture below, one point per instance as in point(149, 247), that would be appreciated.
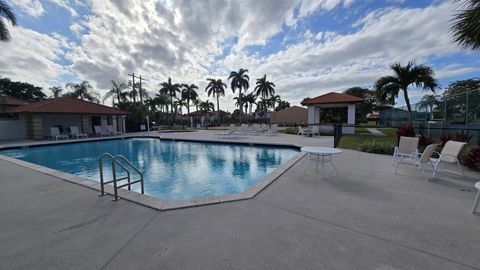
point(34, 120)
point(295, 115)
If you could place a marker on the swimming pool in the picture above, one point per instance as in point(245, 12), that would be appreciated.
point(173, 170)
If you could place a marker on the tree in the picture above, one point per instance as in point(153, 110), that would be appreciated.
point(250, 100)
point(282, 105)
point(83, 91)
point(264, 88)
point(188, 94)
point(262, 106)
point(7, 13)
point(240, 81)
point(465, 28)
point(21, 90)
point(216, 88)
point(116, 92)
point(368, 104)
point(274, 100)
point(428, 102)
point(170, 89)
point(206, 107)
point(56, 91)
point(387, 88)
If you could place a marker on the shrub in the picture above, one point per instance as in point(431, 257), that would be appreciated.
point(472, 158)
point(291, 130)
point(406, 131)
point(425, 140)
point(445, 138)
point(462, 136)
point(377, 147)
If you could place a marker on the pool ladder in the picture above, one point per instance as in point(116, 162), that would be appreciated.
point(118, 160)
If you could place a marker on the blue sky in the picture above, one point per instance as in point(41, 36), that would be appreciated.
point(306, 47)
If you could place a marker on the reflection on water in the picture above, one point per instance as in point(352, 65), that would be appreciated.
point(172, 170)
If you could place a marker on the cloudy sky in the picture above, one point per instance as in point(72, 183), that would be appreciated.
point(306, 47)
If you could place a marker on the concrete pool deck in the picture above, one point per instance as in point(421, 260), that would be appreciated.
point(365, 218)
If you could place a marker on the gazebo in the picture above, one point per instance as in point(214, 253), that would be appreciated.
point(332, 108)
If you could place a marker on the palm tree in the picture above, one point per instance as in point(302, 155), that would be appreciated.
point(264, 88)
point(428, 102)
point(250, 100)
point(216, 88)
point(7, 13)
point(206, 107)
point(387, 88)
point(116, 92)
point(274, 100)
point(162, 101)
point(189, 93)
point(465, 28)
point(83, 91)
point(196, 102)
point(239, 80)
point(170, 89)
point(56, 91)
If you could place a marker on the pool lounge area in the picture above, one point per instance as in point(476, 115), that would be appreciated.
point(365, 218)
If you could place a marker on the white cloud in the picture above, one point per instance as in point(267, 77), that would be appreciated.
point(32, 7)
point(194, 40)
point(32, 57)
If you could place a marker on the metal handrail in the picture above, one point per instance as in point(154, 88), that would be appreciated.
point(116, 161)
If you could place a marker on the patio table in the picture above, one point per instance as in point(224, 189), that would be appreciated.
point(321, 154)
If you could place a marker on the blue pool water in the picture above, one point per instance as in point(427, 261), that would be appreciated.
point(172, 170)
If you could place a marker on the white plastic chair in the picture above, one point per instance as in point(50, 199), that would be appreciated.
point(407, 147)
point(301, 131)
point(112, 131)
point(56, 135)
point(449, 155)
point(425, 158)
point(475, 209)
point(99, 131)
point(76, 133)
point(315, 131)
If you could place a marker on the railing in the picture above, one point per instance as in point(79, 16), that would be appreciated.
point(117, 160)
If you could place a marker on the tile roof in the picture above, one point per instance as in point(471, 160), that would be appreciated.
point(67, 105)
point(12, 101)
point(330, 98)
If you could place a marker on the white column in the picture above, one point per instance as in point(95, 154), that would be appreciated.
point(311, 114)
point(351, 114)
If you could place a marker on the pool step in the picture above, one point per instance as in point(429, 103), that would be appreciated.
point(127, 167)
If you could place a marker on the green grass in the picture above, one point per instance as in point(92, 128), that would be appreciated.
point(361, 130)
point(354, 141)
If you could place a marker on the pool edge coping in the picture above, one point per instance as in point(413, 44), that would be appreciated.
point(159, 203)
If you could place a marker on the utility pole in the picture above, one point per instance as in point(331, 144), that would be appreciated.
point(140, 88)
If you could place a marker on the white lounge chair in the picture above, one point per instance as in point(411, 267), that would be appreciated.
point(301, 132)
point(475, 209)
point(425, 158)
point(56, 135)
point(449, 155)
point(99, 131)
point(315, 130)
point(112, 131)
point(273, 129)
point(227, 133)
point(76, 133)
point(407, 147)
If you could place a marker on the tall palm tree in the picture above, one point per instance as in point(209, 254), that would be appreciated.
point(465, 28)
point(387, 88)
point(116, 92)
point(170, 89)
point(206, 107)
point(274, 100)
point(264, 88)
point(216, 88)
point(428, 102)
point(240, 81)
point(7, 13)
point(250, 100)
point(188, 94)
point(83, 91)
point(56, 91)
point(162, 102)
